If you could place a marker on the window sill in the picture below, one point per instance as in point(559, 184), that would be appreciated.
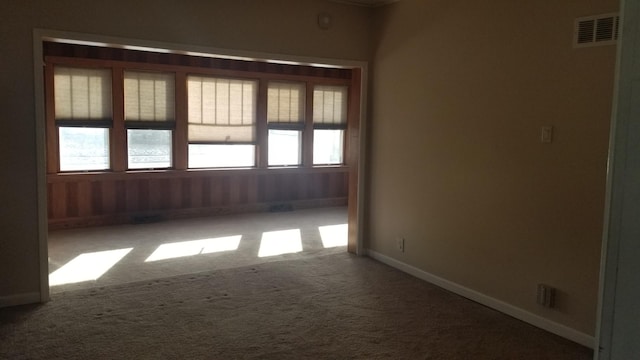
point(208, 172)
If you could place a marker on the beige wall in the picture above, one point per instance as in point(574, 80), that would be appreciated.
point(460, 91)
point(276, 26)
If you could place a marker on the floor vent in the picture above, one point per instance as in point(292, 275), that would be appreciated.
point(280, 207)
point(596, 30)
point(146, 219)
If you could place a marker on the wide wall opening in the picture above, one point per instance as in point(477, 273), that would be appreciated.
point(140, 142)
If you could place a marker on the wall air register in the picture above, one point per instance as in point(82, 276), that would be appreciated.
point(596, 30)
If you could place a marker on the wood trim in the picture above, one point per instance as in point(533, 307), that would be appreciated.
point(352, 133)
point(152, 174)
point(118, 133)
point(352, 145)
point(307, 134)
point(195, 70)
point(262, 132)
point(53, 163)
point(181, 132)
point(114, 53)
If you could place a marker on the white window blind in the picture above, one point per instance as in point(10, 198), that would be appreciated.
point(330, 107)
point(82, 94)
point(285, 103)
point(149, 96)
point(221, 110)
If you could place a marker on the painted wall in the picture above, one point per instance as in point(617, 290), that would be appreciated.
point(460, 92)
point(286, 27)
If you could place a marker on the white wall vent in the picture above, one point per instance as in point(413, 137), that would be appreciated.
point(596, 30)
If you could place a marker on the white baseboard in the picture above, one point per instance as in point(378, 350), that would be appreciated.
point(518, 313)
point(19, 299)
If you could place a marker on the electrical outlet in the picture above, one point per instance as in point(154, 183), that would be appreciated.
point(546, 295)
point(400, 243)
point(546, 134)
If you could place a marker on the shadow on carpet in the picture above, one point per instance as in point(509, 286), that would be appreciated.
point(327, 307)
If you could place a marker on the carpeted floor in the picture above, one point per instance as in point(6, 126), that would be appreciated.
point(335, 306)
point(189, 245)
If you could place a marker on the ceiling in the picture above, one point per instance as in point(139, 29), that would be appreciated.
point(369, 3)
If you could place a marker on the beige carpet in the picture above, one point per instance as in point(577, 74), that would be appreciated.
point(326, 307)
point(177, 241)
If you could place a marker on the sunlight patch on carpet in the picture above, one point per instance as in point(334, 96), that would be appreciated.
point(280, 242)
point(333, 235)
point(195, 247)
point(88, 266)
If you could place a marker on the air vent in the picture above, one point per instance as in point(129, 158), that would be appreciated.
point(596, 30)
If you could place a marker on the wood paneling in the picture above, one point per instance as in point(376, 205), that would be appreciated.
point(96, 199)
point(280, 71)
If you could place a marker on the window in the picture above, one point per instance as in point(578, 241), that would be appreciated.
point(329, 124)
point(327, 146)
point(149, 108)
point(220, 156)
point(285, 121)
point(284, 147)
point(149, 149)
point(118, 109)
point(221, 122)
point(83, 116)
point(83, 148)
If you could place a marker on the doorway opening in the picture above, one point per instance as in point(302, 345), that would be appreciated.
point(117, 193)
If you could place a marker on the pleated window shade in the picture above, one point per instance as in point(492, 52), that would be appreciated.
point(221, 110)
point(149, 96)
point(82, 95)
point(285, 105)
point(330, 107)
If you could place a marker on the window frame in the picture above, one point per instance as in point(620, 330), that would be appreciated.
point(332, 126)
point(230, 143)
point(54, 125)
point(299, 126)
point(169, 124)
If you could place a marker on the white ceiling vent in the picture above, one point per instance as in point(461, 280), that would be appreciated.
point(596, 30)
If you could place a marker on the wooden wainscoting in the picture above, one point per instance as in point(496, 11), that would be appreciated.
point(76, 200)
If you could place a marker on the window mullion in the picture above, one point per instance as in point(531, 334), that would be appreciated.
point(53, 161)
point(180, 136)
point(352, 140)
point(262, 131)
point(118, 134)
point(307, 135)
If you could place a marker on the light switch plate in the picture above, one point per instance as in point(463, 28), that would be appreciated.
point(546, 134)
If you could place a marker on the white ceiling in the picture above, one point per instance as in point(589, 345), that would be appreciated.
point(369, 3)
